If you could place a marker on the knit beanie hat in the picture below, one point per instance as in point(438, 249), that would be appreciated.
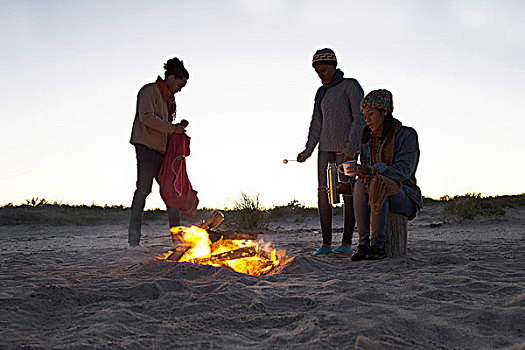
point(378, 99)
point(324, 56)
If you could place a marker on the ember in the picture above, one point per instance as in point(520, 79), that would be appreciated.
point(240, 252)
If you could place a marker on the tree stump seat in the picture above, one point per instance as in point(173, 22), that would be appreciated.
point(396, 235)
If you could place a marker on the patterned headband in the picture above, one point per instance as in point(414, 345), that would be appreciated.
point(325, 56)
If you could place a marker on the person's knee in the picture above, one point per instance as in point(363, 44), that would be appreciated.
point(142, 192)
point(322, 191)
point(348, 200)
point(359, 188)
point(144, 184)
point(322, 197)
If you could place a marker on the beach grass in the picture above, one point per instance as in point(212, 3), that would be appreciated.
point(246, 212)
point(472, 205)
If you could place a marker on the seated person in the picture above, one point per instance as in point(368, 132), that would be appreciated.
point(389, 157)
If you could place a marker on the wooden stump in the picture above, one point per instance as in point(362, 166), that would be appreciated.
point(396, 235)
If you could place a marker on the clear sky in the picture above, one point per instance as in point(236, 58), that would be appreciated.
point(71, 71)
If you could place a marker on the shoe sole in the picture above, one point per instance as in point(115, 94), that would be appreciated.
point(359, 258)
point(376, 257)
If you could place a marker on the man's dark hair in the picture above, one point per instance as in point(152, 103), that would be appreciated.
point(388, 123)
point(175, 67)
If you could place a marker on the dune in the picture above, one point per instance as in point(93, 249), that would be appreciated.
point(461, 286)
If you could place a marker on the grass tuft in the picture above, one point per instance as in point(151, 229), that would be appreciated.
point(470, 206)
point(36, 202)
point(293, 208)
point(248, 212)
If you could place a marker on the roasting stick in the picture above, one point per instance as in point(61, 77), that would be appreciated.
point(285, 161)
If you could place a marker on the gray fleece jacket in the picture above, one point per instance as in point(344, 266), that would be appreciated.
point(338, 125)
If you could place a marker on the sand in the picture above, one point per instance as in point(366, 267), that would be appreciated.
point(461, 286)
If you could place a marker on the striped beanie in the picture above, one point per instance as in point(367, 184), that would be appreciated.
point(378, 99)
point(324, 56)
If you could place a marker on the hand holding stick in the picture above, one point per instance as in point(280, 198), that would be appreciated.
point(303, 156)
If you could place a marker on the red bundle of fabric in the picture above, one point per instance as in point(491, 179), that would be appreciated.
point(175, 186)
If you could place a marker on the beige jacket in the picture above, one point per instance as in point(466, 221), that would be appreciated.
point(152, 124)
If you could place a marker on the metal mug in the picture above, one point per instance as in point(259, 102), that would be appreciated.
point(344, 168)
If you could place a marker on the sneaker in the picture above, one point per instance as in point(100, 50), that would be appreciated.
point(323, 250)
point(376, 253)
point(361, 253)
point(343, 249)
point(138, 248)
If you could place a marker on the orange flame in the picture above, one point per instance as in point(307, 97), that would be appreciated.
point(245, 256)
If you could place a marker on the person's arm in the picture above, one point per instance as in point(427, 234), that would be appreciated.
point(146, 110)
point(314, 133)
point(354, 93)
point(405, 159)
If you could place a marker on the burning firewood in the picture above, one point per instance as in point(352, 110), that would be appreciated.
point(178, 252)
point(230, 255)
point(209, 224)
point(264, 254)
point(231, 236)
point(238, 251)
point(213, 221)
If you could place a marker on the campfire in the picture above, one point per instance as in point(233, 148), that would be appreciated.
point(241, 252)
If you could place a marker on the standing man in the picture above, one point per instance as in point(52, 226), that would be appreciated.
point(156, 109)
point(336, 126)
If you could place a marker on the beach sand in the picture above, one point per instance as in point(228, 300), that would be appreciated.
point(461, 286)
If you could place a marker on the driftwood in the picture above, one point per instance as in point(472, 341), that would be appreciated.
point(235, 254)
point(231, 236)
point(178, 252)
point(213, 221)
point(265, 266)
point(396, 235)
point(264, 254)
point(230, 255)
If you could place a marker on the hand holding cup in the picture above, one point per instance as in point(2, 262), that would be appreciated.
point(360, 170)
point(349, 168)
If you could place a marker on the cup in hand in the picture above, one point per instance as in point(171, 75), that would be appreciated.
point(347, 166)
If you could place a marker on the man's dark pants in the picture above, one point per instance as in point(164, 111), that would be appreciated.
point(149, 163)
point(325, 209)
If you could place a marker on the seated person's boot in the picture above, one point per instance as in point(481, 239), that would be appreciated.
point(361, 253)
point(376, 253)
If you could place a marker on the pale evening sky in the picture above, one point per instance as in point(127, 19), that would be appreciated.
point(71, 71)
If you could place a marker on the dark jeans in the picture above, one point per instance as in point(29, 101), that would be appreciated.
point(325, 209)
point(149, 163)
point(370, 226)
